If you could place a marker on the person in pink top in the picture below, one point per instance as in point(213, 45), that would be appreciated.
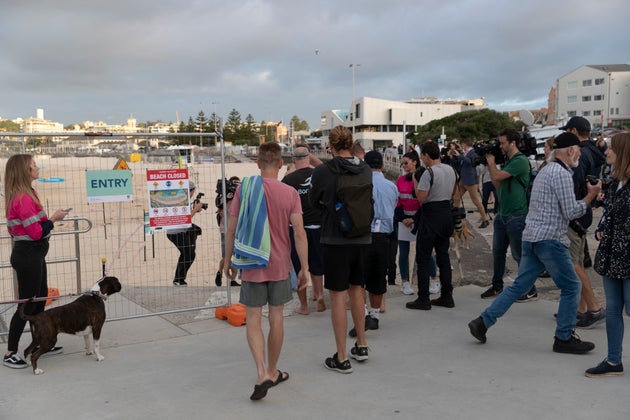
point(30, 229)
point(272, 284)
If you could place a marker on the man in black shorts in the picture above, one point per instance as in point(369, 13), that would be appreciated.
point(345, 258)
point(300, 179)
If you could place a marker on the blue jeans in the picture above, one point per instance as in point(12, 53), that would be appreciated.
point(508, 230)
point(486, 189)
point(617, 296)
point(535, 256)
point(403, 261)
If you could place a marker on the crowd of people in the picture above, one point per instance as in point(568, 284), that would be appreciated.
point(543, 221)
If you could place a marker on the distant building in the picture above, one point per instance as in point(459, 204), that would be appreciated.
point(38, 124)
point(599, 93)
point(379, 123)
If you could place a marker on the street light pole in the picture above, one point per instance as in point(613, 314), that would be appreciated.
point(352, 116)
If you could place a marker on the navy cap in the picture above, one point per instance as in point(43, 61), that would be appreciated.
point(581, 124)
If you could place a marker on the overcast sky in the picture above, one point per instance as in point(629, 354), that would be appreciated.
point(156, 59)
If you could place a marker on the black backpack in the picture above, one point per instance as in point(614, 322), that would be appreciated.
point(354, 208)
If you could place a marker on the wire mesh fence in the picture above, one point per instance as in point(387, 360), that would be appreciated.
point(112, 238)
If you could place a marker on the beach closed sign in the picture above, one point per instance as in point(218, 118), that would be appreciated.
point(108, 186)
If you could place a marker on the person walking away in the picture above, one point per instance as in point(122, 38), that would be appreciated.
point(385, 195)
point(263, 207)
point(612, 259)
point(545, 244)
point(345, 257)
point(30, 229)
point(300, 179)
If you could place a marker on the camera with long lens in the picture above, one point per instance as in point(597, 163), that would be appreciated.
point(204, 206)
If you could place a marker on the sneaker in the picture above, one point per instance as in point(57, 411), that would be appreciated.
point(359, 353)
point(444, 301)
point(491, 292)
point(406, 288)
point(419, 304)
point(434, 286)
point(544, 273)
point(478, 329)
point(333, 363)
point(591, 319)
point(528, 297)
point(14, 361)
point(370, 324)
point(604, 369)
point(573, 345)
point(180, 283)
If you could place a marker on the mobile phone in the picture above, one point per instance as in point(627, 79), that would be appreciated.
point(68, 209)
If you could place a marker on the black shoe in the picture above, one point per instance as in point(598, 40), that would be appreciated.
point(528, 297)
point(478, 329)
point(419, 304)
point(359, 353)
point(370, 324)
point(573, 345)
point(544, 273)
point(234, 283)
point(491, 292)
point(445, 301)
point(218, 279)
point(333, 363)
point(604, 369)
point(180, 283)
point(484, 224)
point(591, 319)
point(14, 361)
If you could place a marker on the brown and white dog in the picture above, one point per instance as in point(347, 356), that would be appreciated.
point(85, 316)
point(460, 236)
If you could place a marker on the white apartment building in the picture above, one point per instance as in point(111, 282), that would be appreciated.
point(599, 93)
point(379, 123)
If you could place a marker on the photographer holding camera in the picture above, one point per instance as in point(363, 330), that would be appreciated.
point(230, 189)
point(468, 179)
point(185, 239)
point(511, 182)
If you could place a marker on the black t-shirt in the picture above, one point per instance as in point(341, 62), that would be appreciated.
point(301, 181)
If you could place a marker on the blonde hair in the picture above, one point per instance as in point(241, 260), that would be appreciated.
point(340, 138)
point(620, 144)
point(17, 179)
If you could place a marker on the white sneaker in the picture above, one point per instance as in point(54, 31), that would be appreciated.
point(406, 288)
point(434, 286)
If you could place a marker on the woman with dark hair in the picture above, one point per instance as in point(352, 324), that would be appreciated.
point(612, 259)
point(30, 229)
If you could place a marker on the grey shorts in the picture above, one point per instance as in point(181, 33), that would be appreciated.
point(275, 293)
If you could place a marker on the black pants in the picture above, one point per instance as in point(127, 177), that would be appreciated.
point(186, 242)
point(377, 264)
point(427, 240)
point(28, 261)
point(391, 265)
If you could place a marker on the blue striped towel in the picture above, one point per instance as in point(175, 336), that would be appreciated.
point(252, 243)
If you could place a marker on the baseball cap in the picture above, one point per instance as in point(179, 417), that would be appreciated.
point(581, 124)
point(565, 140)
point(374, 159)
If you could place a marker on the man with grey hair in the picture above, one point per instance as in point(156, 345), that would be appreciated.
point(545, 244)
point(300, 179)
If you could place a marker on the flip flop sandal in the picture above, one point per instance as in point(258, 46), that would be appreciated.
point(281, 377)
point(260, 391)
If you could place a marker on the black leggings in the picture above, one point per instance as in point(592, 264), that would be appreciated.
point(28, 260)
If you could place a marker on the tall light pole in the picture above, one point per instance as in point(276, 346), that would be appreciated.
point(352, 116)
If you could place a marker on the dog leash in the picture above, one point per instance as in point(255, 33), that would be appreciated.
point(39, 299)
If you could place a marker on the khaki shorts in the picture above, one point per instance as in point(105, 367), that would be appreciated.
point(274, 293)
point(576, 249)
